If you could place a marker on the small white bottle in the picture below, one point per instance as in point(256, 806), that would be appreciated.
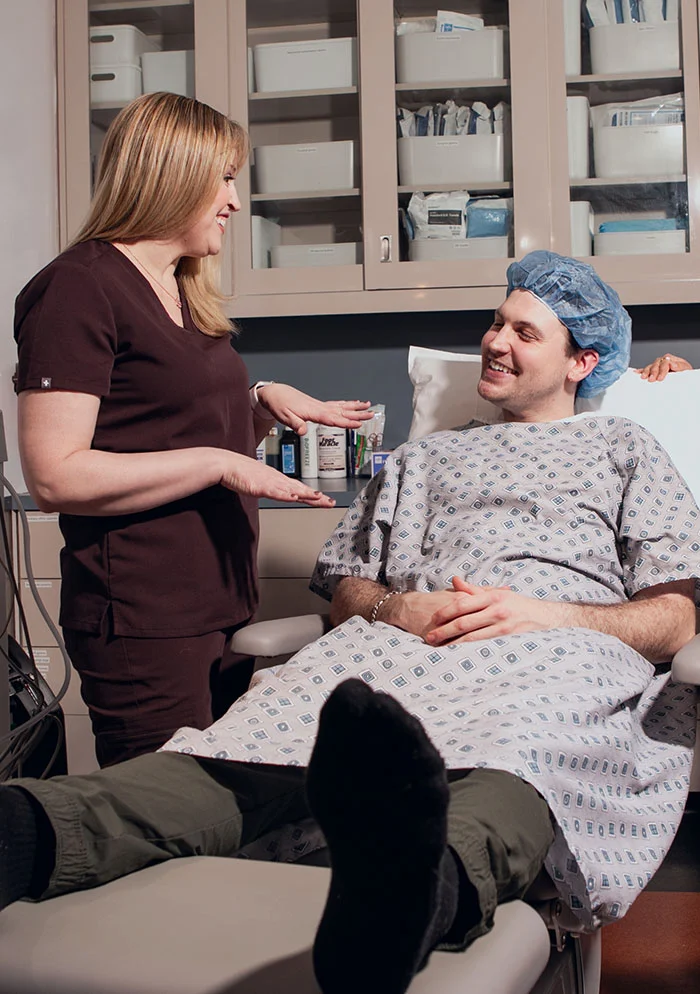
point(332, 451)
point(309, 451)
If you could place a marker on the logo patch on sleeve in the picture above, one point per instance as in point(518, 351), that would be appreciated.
point(45, 382)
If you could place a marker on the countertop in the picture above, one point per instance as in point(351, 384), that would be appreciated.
point(344, 490)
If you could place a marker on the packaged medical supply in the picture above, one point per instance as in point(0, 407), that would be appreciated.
point(309, 451)
point(671, 10)
point(480, 119)
point(597, 13)
point(260, 451)
point(331, 452)
point(653, 11)
point(501, 118)
point(378, 460)
point(643, 224)
point(439, 215)
point(651, 112)
point(415, 25)
point(272, 447)
point(370, 437)
point(449, 20)
point(290, 463)
point(489, 217)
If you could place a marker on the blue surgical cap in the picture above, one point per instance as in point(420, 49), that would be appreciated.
point(584, 304)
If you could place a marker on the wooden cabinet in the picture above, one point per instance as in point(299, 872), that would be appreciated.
point(363, 213)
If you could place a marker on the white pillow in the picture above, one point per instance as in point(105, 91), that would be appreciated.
point(445, 396)
point(444, 391)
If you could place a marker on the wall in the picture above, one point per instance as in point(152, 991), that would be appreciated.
point(29, 229)
point(364, 356)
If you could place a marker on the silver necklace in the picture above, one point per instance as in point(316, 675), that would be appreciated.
point(177, 301)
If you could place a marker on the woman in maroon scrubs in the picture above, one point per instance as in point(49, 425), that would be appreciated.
point(137, 424)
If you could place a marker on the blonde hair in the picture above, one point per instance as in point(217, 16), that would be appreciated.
point(162, 161)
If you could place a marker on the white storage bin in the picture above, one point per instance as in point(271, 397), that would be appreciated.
point(422, 249)
point(428, 57)
point(582, 220)
point(264, 234)
point(635, 47)
point(305, 65)
point(114, 86)
point(639, 242)
point(305, 168)
point(169, 71)
point(458, 159)
point(332, 254)
point(578, 125)
point(638, 151)
point(119, 45)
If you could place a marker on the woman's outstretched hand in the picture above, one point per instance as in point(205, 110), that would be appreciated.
point(661, 367)
point(256, 479)
point(294, 408)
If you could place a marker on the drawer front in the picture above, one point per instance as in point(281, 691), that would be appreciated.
point(80, 745)
point(287, 598)
point(49, 662)
point(45, 542)
point(50, 592)
point(291, 539)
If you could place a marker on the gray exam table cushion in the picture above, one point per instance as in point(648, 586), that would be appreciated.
point(207, 925)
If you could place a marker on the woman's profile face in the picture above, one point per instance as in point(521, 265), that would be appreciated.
point(205, 236)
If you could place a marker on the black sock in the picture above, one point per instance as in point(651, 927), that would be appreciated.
point(18, 845)
point(378, 789)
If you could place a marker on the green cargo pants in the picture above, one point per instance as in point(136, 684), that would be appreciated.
point(163, 805)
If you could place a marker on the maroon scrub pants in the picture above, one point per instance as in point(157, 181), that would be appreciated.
point(140, 690)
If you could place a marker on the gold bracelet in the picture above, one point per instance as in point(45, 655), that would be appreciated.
point(378, 604)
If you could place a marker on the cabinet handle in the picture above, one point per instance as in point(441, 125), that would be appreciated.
point(385, 248)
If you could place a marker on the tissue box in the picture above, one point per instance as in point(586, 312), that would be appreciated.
point(639, 242)
point(638, 151)
point(331, 254)
point(118, 45)
point(114, 86)
point(305, 65)
point(458, 159)
point(169, 71)
point(428, 57)
point(422, 249)
point(617, 48)
point(305, 168)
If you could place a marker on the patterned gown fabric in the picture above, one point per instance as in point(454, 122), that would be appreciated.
point(590, 510)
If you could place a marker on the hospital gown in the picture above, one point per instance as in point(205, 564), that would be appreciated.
point(589, 510)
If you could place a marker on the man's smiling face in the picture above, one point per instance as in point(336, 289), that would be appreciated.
point(529, 366)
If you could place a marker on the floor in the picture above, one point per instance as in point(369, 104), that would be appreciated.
point(655, 949)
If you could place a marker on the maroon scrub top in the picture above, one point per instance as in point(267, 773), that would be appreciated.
point(91, 323)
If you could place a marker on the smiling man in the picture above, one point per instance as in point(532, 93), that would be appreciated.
point(486, 703)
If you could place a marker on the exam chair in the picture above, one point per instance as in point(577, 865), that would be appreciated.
point(206, 925)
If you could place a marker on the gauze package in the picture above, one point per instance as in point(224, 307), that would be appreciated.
point(652, 112)
point(448, 21)
point(439, 215)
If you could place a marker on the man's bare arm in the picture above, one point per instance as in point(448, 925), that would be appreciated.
point(656, 622)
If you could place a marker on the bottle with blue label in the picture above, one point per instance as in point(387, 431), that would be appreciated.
point(290, 462)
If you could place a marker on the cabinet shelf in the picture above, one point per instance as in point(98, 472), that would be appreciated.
point(628, 181)
point(302, 105)
point(454, 84)
point(310, 195)
point(450, 187)
point(625, 77)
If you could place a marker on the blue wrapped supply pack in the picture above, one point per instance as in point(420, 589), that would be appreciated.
point(489, 218)
point(644, 224)
point(588, 307)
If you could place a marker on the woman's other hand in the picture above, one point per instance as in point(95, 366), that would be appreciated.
point(294, 408)
point(256, 479)
point(659, 368)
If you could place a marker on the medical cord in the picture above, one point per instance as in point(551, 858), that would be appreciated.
point(18, 744)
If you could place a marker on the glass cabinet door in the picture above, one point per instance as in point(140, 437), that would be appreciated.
point(294, 86)
point(633, 137)
point(111, 51)
point(438, 138)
